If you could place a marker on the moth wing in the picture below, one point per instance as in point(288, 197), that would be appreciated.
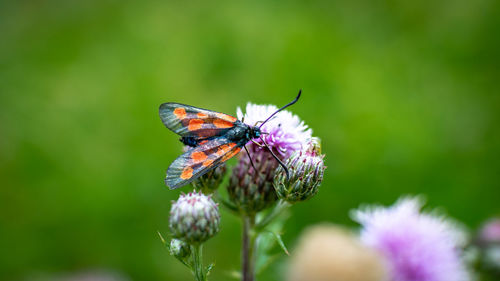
point(199, 160)
point(190, 121)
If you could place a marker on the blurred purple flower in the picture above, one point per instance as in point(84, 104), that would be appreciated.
point(417, 246)
point(287, 133)
point(490, 232)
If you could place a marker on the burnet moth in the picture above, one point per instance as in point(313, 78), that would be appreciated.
point(213, 138)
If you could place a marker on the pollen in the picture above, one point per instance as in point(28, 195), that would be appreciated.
point(195, 124)
point(187, 173)
point(220, 123)
point(180, 113)
point(198, 156)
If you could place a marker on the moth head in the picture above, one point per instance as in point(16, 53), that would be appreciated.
point(255, 132)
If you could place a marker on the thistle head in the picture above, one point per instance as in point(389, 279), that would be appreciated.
point(251, 190)
point(194, 218)
point(306, 169)
point(285, 132)
point(417, 246)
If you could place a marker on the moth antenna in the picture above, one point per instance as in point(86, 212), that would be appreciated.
point(277, 159)
point(250, 157)
point(276, 112)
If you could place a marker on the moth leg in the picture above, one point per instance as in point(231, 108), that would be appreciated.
point(250, 157)
point(257, 144)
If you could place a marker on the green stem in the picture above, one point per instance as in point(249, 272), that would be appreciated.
point(198, 270)
point(248, 249)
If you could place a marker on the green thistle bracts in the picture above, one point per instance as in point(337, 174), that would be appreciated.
point(306, 174)
point(249, 191)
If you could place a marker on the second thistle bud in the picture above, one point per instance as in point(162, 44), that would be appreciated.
point(194, 218)
point(306, 174)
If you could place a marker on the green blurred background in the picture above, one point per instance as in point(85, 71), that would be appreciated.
point(403, 94)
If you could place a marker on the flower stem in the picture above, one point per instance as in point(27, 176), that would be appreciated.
point(198, 270)
point(247, 249)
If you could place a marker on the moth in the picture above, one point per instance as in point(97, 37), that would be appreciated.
point(212, 137)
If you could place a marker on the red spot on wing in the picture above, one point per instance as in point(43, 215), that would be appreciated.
point(187, 173)
point(195, 124)
point(221, 123)
point(226, 117)
point(231, 154)
point(223, 149)
point(201, 115)
point(198, 156)
point(180, 113)
point(207, 163)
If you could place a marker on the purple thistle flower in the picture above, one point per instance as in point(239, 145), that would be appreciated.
point(252, 191)
point(417, 246)
point(286, 132)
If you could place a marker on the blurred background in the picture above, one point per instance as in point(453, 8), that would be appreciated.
point(403, 94)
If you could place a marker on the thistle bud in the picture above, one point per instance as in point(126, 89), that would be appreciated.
point(194, 218)
point(252, 191)
point(209, 182)
point(179, 249)
point(306, 174)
